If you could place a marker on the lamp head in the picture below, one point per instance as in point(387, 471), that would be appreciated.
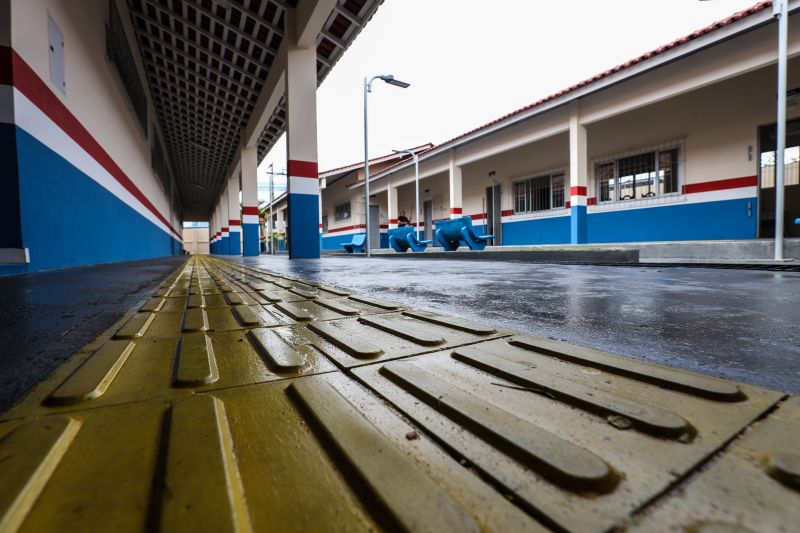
point(389, 78)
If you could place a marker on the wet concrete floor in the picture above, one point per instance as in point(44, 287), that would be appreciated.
point(736, 324)
point(48, 316)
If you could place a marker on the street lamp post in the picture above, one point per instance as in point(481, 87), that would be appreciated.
point(416, 183)
point(271, 200)
point(388, 78)
point(779, 10)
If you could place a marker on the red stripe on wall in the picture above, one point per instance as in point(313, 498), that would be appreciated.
point(31, 85)
point(578, 190)
point(455, 210)
point(721, 185)
point(235, 222)
point(384, 226)
point(249, 210)
point(302, 169)
point(479, 216)
point(392, 221)
point(506, 212)
point(346, 228)
point(591, 201)
point(567, 205)
point(224, 229)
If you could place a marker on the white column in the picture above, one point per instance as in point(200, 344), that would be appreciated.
point(391, 193)
point(455, 188)
point(250, 201)
point(223, 202)
point(234, 217)
point(578, 178)
point(301, 145)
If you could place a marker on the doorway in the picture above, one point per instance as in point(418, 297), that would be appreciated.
point(427, 217)
point(767, 136)
point(374, 226)
point(493, 213)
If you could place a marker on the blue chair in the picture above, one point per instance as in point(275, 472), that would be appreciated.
point(450, 233)
point(416, 244)
point(401, 239)
point(356, 244)
point(397, 238)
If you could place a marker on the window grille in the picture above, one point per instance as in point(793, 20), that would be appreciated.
point(119, 53)
point(638, 176)
point(540, 193)
point(158, 161)
point(521, 196)
point(342, 211)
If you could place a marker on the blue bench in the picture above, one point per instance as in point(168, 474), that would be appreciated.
point(451, 233)
point(356, 244)
point(403, 238)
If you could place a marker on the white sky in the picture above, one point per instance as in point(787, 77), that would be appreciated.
point(471, 61)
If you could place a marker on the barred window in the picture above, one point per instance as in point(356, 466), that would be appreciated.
point(639, 176)
point(521, 196)
point(342, 211)
point(540, 193)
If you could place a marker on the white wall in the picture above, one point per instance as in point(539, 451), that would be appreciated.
point(92, 93)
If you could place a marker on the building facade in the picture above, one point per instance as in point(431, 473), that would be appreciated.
point(678, 144)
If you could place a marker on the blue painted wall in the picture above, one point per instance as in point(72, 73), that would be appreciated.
point(334, 242)
point(726, 219)
point(303, 211)
point(67, 219)
point(555, 230)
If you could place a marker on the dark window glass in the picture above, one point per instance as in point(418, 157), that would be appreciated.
point(540, 193)
point(637, 176)
point(668, 171)
point(558, 190)
point(608, 183)
point(342, 211)
point(520, 196)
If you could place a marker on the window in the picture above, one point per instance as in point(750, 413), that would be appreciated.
point(342, 211)
point(120, 55)
point(540, 193)
point(639, 176)
point(521, 196)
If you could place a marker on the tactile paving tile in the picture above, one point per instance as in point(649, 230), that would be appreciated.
point(366, 339)
point(753, 486)
point(578, 437)
point(309, 454)
point(123, 371)
point(212, 407)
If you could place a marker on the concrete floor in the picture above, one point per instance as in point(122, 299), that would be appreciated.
point(736, 324)
point(48, 316)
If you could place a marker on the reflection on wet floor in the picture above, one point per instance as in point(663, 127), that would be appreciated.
point(736, 324)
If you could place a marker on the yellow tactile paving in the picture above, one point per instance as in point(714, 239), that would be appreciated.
point(235, 399)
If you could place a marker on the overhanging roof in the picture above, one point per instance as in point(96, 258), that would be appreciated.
point(207, 62)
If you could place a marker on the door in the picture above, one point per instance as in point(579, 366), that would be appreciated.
point(374, 226)
point(427, 216)
point(766, 182)
point(493, 214)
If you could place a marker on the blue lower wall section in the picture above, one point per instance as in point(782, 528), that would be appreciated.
point(555, 230)
point(334, 242)
point(304, 241)
point(727, 219)
point(235, 243)
point(249, 240)
point(68, 220)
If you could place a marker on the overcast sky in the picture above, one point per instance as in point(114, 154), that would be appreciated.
point(471, 61)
